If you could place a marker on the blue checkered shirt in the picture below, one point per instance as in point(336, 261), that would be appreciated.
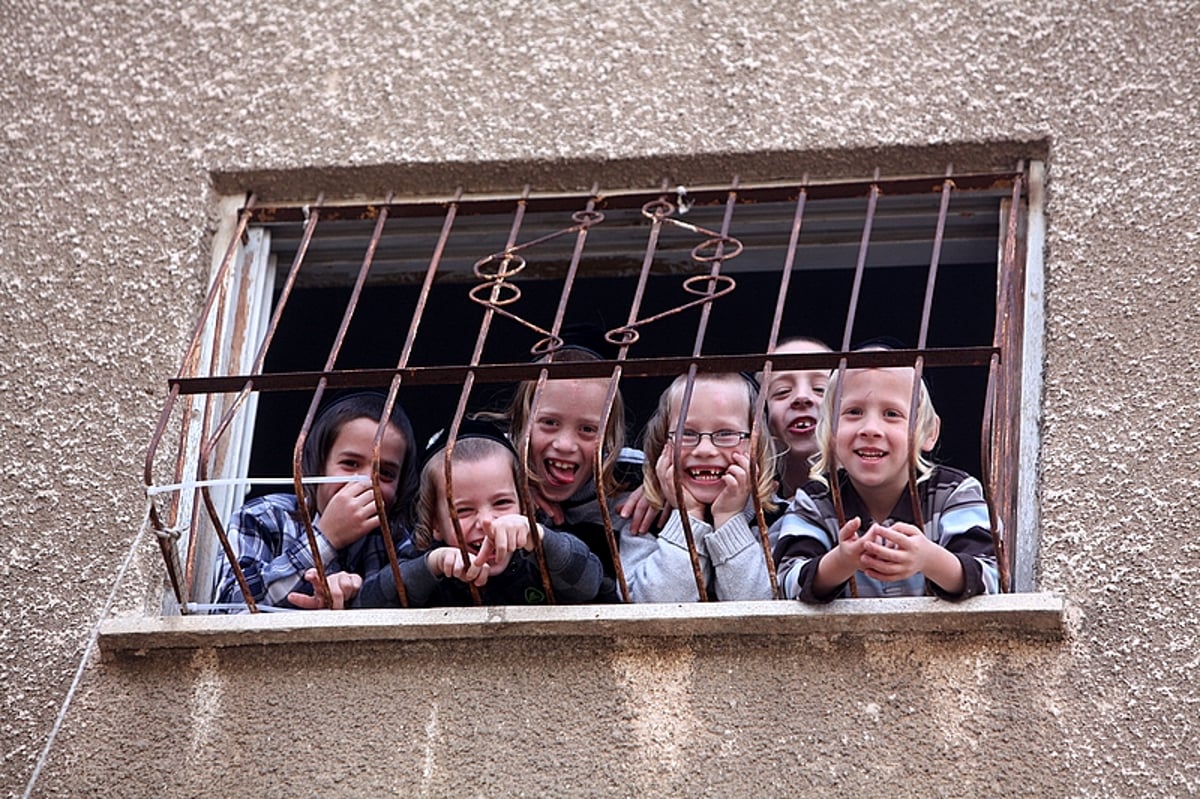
point(273, 552)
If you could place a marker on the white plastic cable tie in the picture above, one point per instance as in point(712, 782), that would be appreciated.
point(227, 481)
point(169, 533)
point(205, 607)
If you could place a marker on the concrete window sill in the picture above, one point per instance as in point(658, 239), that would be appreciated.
point(1016, 615)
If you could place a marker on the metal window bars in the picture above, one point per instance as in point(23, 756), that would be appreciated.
point(219, 389)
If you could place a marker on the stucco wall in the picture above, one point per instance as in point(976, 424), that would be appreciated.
point(114, 119)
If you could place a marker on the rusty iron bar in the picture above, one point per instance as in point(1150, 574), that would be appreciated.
point(185, 424)
point(914, 495)
point(468, 385)
point(786, 276)
point(835, 488)
point(239, 400)
point(660, 211)
point(1004, 338)
point(623, 343)
point(298, 452)
point(705, 298)
point(859, 268)
point(394, 389)
point(189, 365)
point(767, 368)
point(861, 263)
point(755, 192)
point(935, 258)
point(922, 338)
point(448, 478)
point(718, 241)
point(496, 282)
point(988, 450)
point(601, 498)
point(680, 505)
point(163, 532)
point(513, 372)
point(553, 342)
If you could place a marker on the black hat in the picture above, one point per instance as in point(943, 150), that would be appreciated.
point(468, 428)
point(881, 343)
point(587, 337)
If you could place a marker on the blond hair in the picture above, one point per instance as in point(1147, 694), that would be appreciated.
point(654, 438)
point(927, 426)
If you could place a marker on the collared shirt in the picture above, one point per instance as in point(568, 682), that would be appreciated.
point(273, 551)
point(956, 518)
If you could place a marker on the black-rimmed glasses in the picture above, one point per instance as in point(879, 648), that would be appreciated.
point(721, 438)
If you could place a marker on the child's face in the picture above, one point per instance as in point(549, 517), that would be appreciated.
point(714, 407)
point(351, 453)
point(794, 403)
point(565, 434)
point(483, 490)
point(872, 433)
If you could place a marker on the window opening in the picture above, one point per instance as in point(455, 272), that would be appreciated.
point(674, 263)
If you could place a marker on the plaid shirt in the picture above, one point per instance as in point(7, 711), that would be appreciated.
point(956, 518)
point(273, 552)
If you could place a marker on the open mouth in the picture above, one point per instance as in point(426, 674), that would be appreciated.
point(706, 475)
point(870, 454)
point(473, 548)
point(560, 472)
point(802, 426)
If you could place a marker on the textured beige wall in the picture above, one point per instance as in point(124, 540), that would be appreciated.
point(115, 117)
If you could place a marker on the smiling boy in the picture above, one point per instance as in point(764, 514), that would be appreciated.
point(880, 545)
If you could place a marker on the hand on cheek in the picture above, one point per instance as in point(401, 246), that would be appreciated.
point(665, 469)
point(735, 491)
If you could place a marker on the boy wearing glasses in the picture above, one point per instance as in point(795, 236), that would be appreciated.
point(713, 483)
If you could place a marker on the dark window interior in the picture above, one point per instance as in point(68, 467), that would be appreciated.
point(818, 299)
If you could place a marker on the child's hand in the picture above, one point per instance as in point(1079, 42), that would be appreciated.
point(549, 507)
point(350, 514)
point(902, 550)
point(343, 587)
point(448, 562)
point(665, 469)
point(506, 534)
point(736, 490)
point(641, 514)
point(850, 543)
point(840, 563)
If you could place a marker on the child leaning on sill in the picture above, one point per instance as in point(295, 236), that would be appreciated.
point(880, 545)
